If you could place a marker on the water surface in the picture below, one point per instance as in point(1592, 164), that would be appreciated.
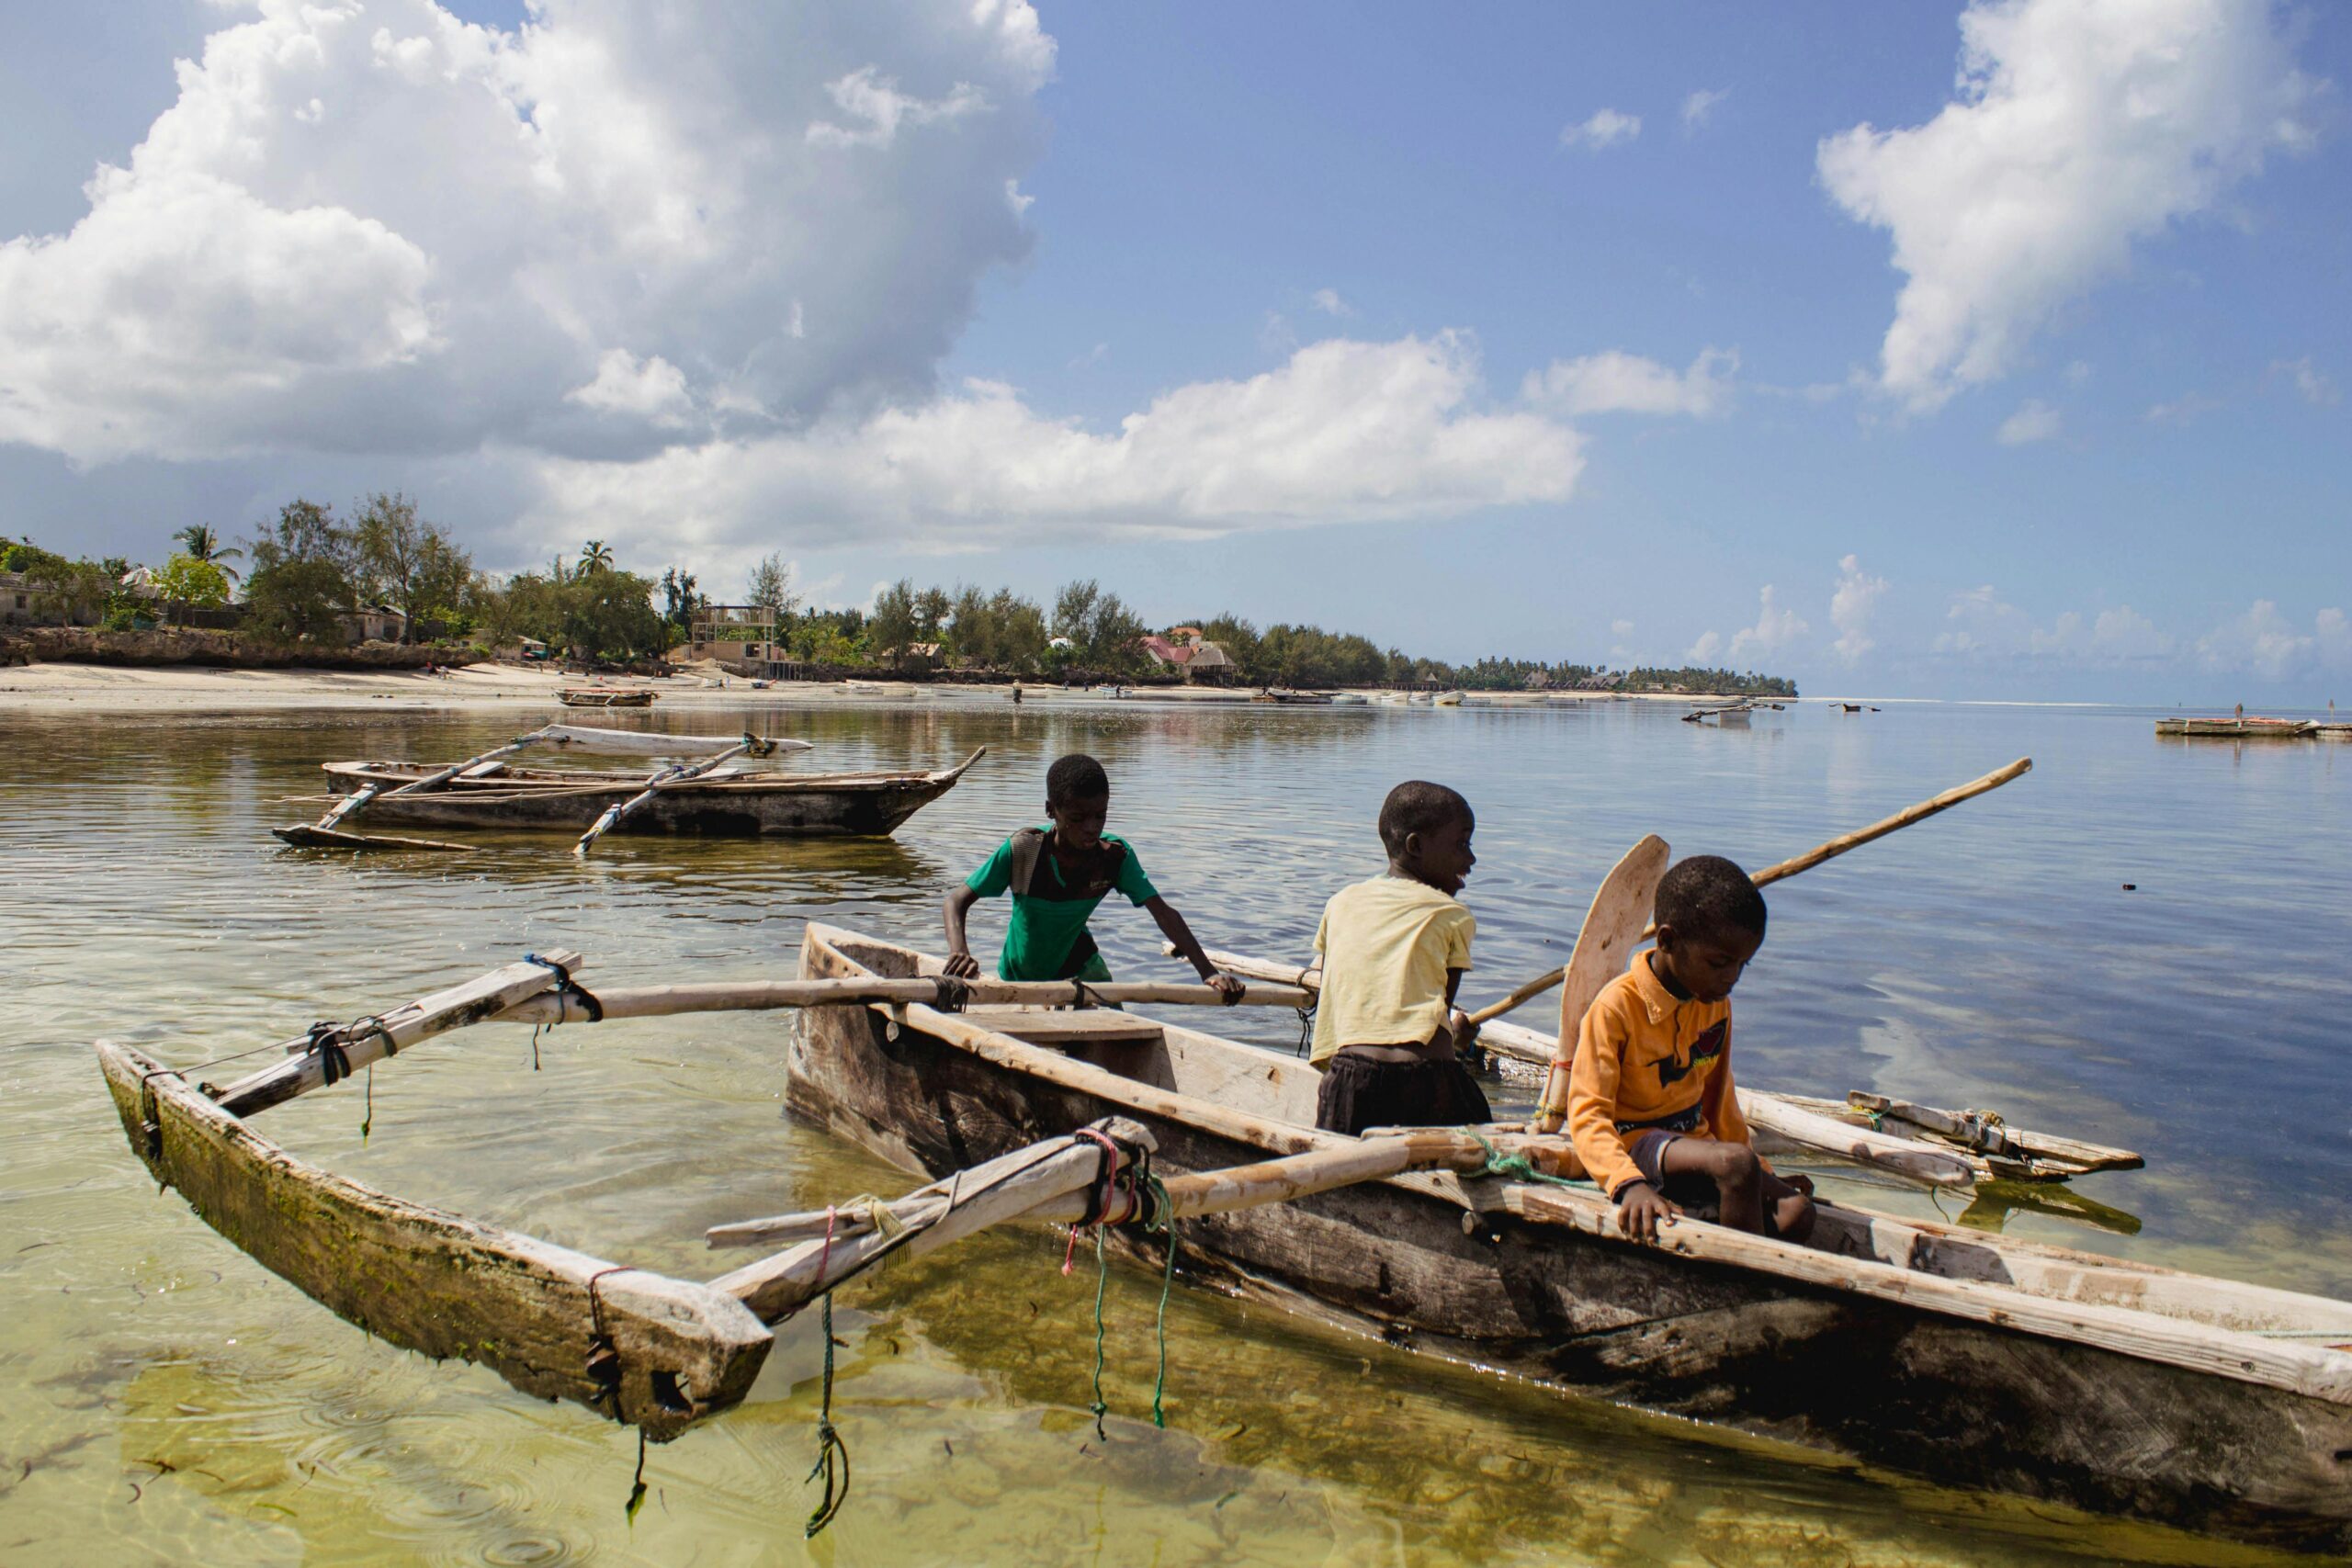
point(164, 1399)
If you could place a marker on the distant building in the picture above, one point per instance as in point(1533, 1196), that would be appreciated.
point(372, 623)
point(740, 636)
point(1195, 657)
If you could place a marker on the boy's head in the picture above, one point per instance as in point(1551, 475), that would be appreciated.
point(1077, 798)
point(1426, 828)
point(1710, 922)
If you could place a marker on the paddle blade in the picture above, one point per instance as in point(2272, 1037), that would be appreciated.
point(1605, 943)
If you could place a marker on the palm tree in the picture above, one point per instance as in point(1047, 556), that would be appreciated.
point(596, 556)
point(203, 543)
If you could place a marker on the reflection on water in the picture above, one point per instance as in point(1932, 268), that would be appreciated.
point(160, 1394)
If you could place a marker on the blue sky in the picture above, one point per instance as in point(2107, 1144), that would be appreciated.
point(1312, 254)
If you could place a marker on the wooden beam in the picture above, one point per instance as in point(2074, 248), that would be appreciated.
point(2311, 1369)
point(631, 1344)
point(372, 1040)
point(757, 996)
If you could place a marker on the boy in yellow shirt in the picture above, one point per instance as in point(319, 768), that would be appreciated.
point(1394, 951)
point(1650, 1101)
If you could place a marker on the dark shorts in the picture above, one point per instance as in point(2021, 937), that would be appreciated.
point(1693, 1192)
point(1357, 1093)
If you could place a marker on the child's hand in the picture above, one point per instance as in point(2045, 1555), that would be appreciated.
point(1642, 1210)
point(963, 966)
point(1226, 986)
point(1465, 1032)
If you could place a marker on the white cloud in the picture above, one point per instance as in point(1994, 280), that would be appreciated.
point(1851, 605)
point(1344, 432)
point(1607, 128)
point(2186, 408)
point(1614, 383)
point(2034, 420)
point(1983, 628)
point(2263, 642)
point(2080, 127)
point(1700, 107)
point(2310, 385)
point(1775, 629)
point(648, 389)
point(477, 217)
point(1706, 650)
point(1328, 301)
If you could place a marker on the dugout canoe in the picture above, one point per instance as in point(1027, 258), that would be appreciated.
point(2235, 728)
point(730, 803)
point(607, 696)
point(1984, 1362)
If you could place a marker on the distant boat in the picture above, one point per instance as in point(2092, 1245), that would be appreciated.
point(2239, 728)
point(1304, 699)
point(1447, 699)
point(607, 696)
point(1350, 699)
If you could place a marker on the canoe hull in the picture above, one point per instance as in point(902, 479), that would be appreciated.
point(764, 805)
point(1861, 1378)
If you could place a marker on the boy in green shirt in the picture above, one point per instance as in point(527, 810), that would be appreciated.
point(1056, 875)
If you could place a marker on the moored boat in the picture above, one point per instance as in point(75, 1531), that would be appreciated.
point(1986, 1361)
point(730, 802)
point(607, 696)
point(2237, 729)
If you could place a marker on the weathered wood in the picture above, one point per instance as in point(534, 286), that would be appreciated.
point(1904, 1156)
point(662, 743)
point(724, 803)
point(629, 1344)
point(756, 995)
point(347, 806)
point(1620, 911)
point(672, 777)
point(311, 836)
point(999, 1190)
point(1998, 1138)
point(372, 1040)
point(2317, 1371)
point(1965, 1401)
point(435, 780)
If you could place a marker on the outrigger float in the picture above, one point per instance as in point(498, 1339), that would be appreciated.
point(701, 790)
point(1979, 1361)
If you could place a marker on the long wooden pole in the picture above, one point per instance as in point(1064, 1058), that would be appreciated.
point(357, 801)
point(760, 995)
point(1805, 861)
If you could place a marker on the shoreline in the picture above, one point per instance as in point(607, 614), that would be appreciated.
point(197, 689)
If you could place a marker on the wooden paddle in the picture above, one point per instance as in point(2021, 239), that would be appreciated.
point(1620, 908)
point(1805, 861)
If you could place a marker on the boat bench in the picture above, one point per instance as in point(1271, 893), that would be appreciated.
point(1063, 1028)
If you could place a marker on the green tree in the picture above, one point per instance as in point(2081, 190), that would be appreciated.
point(189, 578)
point(609, 614)
point(772, 588)
point(894, 623)
point(305, 567)
point(680, 603)
point(202, 545)
point(596, 556)
point(414, 564)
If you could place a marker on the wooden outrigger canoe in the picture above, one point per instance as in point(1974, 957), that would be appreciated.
point(741, 803)
point(2235, 728)
point(607, 696)
point(1983, 1362)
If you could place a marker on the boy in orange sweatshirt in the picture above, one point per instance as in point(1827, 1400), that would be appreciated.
point(1650, 1100)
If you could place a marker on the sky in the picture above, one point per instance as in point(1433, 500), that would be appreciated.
point(1994, 350)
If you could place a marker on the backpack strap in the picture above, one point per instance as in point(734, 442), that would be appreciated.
point(1028, 847)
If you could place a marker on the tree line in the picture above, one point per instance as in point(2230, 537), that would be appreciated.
point(308, 569)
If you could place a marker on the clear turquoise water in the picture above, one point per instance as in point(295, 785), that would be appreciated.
point(163, 1399)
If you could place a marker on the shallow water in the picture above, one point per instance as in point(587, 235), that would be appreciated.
point(164, 1399)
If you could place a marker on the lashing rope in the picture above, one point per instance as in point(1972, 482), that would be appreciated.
point(1519, 1168)
point(830, 1446)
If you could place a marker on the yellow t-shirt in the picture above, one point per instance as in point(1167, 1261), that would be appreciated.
point(1386, 945)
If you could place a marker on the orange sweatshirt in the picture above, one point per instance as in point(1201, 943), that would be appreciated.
point(1643, 1057)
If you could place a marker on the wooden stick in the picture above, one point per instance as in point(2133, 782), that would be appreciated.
point(372, 1040)
point(1805, 861)
point(760, 995)
point(667, 778)
point(662, 743)
point(435, 781)
point(1612, 926)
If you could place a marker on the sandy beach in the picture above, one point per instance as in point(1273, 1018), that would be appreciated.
point(51, 688)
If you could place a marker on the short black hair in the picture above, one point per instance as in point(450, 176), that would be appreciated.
point(1074, 778)
point(1707, 894)
point(1418, 805)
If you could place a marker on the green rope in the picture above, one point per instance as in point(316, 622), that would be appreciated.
point(1519, 1167)
point(829, 1441)
point(1101, 1284)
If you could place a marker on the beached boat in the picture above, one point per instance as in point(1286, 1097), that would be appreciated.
point(1301, 699)
point(2235, 728)
point(1447, 699)
point(1980, 1360)
point(607, 696)
point(729, 802)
